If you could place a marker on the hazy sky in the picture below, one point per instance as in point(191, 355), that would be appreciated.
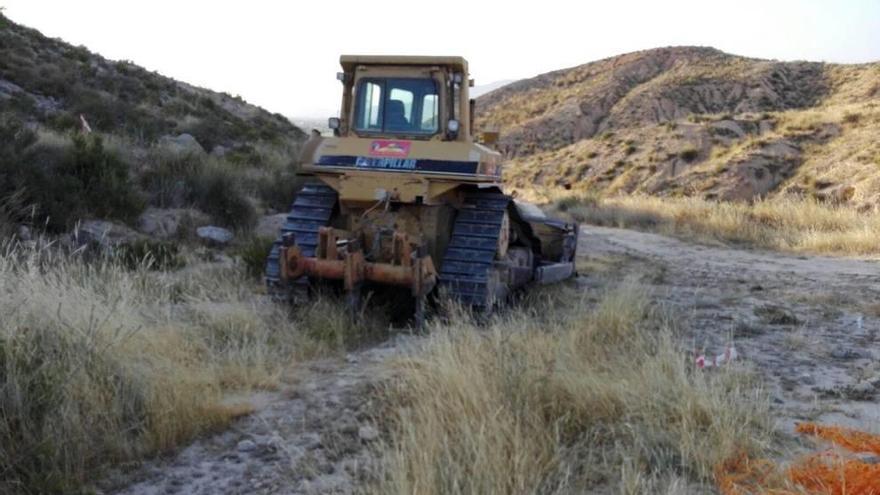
point(283, 55)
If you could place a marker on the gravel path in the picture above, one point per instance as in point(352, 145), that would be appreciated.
point(808, 324)
point(313, 436)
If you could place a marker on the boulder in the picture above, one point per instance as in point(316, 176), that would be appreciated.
point(214, 235)
point(164, 223)
point(182, 144)
point(219, 151)
point(368, 433)
point(270, 225)
point(8, 88)
point(246, 446)
point(728, 128)
point(104, 233)
point(25, 234)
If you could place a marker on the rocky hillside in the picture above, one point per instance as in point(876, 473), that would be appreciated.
point(694, 121)
point(154, 142)
point(52, 82)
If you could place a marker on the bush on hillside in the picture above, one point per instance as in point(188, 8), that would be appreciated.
point(253, 255)
point(120, 97)
point(67, 182)
point(277, 190)
point(176, 180)
point(217, 191)
point(150, 254)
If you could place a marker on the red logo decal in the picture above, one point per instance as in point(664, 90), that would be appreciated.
point(384, 147)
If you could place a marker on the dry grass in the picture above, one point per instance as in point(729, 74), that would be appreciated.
point(565, 401)
point(99, 364)
point(786, 223)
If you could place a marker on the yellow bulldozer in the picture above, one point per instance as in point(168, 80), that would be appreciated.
point(403, 196)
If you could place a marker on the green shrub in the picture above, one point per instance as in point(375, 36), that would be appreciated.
point(175, 180)
point(13, 210)
point(108, 190)
point(253, 254)
point(66, 183)
point(689, 154)
point(212, 130)
point(277, 189)
point(217, 191)
point(852, 118)
point(166, 180)
point(566, 203)
point(151, 254)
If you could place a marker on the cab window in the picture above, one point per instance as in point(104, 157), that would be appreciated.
point(397, 106)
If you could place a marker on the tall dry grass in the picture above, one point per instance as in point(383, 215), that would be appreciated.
point(787, 223)
point(100, 364)
point(575, 399)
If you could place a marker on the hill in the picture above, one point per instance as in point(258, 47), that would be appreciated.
point(52, 82)
point(693, 121)
point(151, 134)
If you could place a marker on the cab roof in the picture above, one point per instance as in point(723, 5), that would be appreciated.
point(348, 62)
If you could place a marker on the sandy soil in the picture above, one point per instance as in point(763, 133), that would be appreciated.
point(808, 325)
point(312, 436)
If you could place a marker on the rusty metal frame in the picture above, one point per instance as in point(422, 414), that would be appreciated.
point(409, 266)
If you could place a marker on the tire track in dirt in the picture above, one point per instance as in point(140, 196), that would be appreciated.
point(807, 324)
point(313, 436)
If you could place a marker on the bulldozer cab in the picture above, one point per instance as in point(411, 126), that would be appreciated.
point(404, 97)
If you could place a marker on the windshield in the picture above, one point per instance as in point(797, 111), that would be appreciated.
point(399, 106)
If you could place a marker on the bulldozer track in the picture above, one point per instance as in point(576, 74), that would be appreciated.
point(310, 211)
point(470, 257)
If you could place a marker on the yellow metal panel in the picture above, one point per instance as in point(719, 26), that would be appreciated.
point(348, 61)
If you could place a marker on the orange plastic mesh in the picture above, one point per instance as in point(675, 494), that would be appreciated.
point(831, 474)
point(741, 475)
point(824, 473)
point(852, 440)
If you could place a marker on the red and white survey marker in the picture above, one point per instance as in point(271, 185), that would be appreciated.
point(727, 356)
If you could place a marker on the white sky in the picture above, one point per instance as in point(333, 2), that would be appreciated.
point(283, 55)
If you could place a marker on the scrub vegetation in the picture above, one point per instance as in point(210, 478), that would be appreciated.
point(791, 223)
point(234, 159)
point(590, 396)
point(103, 363)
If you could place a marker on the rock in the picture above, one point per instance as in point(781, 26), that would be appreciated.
point(729, 128)
point(104, 233)
point(868, 458)
point(368, 433)
point(270, 225)
point(840, 352)
point(214, 235)
point(246, 446)
point(159, 223)
point(8, 88)
point(24, 233)
point(164, 223)
point(219, 150)
point(776, 315)
point(861, 391)
point(182, 144)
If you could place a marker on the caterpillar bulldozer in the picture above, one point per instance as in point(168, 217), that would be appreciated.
point(403, 195)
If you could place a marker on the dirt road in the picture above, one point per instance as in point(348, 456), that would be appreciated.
point(808, 325)
point(312, 436)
